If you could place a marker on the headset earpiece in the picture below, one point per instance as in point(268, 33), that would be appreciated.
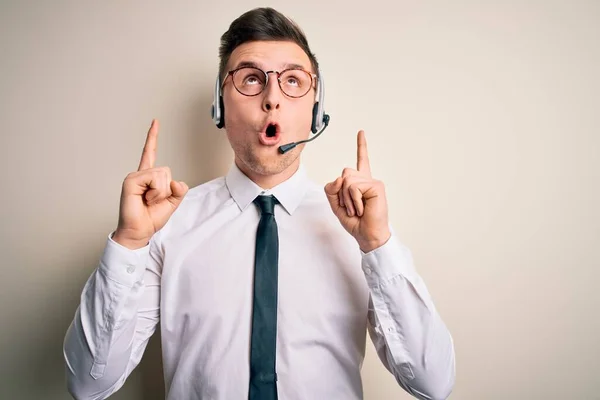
point(318, 112)
point(218, 111)
point(221, 123)
point(315, 115)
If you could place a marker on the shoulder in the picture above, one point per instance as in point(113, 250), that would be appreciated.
point(199, 192)
point(315, 200)
point(199, 202)
point(315, 192)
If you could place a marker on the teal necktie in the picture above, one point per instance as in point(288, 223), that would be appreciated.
point(263, 378)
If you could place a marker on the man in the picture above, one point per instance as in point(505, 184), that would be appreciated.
point(264, 283)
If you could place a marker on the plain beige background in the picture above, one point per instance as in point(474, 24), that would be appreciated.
point(481, 117)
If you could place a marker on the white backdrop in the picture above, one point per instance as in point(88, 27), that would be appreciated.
point(481, 117)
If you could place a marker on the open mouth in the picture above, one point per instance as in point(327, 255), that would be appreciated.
point(271, 130)
point(271, 134)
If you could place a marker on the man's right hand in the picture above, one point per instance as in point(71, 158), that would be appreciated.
point(148, 198)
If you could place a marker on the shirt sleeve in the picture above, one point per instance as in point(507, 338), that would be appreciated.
point(409, 335)
point(117, 315)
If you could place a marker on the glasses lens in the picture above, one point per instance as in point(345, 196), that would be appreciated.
point(249, 81)
point(295, 82)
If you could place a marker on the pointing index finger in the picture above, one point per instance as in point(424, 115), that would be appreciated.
point(149, 152)
point(362, 156)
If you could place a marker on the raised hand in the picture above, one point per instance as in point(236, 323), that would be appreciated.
point(148, 198)
point(359, 201)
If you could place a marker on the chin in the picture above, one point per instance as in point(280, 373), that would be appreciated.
point(269, 163)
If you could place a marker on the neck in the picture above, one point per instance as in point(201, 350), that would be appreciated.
point(268, 181)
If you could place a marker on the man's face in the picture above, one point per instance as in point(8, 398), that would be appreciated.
point(247, 118)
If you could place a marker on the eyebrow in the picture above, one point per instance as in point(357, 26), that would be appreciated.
point(253, 64)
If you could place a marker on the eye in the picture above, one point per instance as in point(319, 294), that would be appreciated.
point(295, 80)
point(292, 81)
point(252, 80)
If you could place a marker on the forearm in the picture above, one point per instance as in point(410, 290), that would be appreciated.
point(106, 338)
point(409, 334)
point(95, 374)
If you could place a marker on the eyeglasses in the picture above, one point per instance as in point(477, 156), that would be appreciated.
point(251, 81)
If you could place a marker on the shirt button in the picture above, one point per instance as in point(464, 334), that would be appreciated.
point(130, 269)
point(367, 270)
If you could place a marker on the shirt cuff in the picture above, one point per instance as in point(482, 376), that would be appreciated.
point(123, 265)
point(387, 262)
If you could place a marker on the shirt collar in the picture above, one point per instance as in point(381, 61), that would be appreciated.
point(289, 193)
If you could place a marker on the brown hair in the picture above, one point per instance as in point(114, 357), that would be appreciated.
point(262, 24)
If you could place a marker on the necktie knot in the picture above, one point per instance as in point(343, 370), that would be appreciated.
point(266, 204)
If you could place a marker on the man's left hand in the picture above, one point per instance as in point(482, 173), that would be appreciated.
point(359, 201)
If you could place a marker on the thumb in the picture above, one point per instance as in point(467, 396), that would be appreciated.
point(179, 190)
point(331, 190)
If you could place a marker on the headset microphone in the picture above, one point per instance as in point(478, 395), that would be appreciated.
point(287, 147)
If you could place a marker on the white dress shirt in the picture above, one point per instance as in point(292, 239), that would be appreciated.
point(196, 278)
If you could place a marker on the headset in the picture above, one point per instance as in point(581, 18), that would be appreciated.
point(320, 119)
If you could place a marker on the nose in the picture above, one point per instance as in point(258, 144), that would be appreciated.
point(272, 94)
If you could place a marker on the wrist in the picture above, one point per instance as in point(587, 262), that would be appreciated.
point(131, 244)
point(369, 244)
